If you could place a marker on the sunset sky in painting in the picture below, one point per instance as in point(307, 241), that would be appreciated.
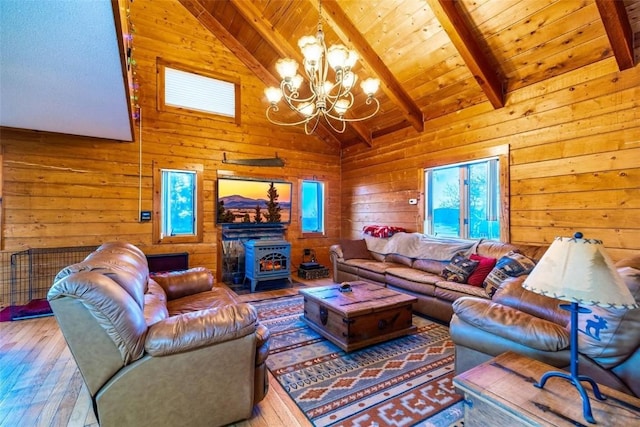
point(253, 189)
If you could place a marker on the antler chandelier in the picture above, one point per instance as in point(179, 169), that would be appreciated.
point(325, 98)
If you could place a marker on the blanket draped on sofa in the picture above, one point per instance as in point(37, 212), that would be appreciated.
point(420, 246)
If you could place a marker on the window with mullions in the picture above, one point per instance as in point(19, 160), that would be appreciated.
point(463, 200)
point(312, 206)
point(178, 205)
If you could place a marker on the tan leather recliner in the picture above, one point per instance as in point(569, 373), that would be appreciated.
point(172, 350)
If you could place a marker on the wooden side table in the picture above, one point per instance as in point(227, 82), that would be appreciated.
point(500, 392)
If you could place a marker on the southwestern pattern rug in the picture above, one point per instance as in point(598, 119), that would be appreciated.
point(406, 381)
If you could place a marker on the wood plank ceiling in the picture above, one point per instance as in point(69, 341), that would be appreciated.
point(433, 57)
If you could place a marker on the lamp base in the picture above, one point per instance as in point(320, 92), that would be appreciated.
point(576, 381)
point(575, 378)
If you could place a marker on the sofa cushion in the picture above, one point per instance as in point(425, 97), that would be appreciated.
point(609, 335)
point(512, 293)
point(459, 269)
point(462, 288)
point(354, 249)
point(429, 265)
point(399, 259)
point(416, 288)
point(178, 284)
point(215, 298)
point(193, 330)
point(485, 265)
point(117, 269)
point(513, 264)
point(495, 249)
point(413, 275)
point(512, 324)
point(155, 304)
point(371, 265)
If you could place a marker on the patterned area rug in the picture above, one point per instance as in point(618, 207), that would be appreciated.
point(406, 381)
point(267, 285)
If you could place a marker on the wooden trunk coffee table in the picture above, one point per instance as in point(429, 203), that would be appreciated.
point(367, 315)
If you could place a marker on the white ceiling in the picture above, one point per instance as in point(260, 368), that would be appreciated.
point(60, 68)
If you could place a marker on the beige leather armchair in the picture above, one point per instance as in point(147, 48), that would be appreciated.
point(170, 350)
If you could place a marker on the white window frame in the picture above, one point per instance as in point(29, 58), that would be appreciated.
point(320, 206)
point(457, 156)
point(160, 234)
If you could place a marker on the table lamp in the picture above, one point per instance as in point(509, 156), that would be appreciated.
point(579, 271)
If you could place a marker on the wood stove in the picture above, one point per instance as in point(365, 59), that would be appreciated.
point(267, 260)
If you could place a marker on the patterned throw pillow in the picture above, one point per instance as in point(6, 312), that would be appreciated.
point(485, 266)
point(459, 269)
point(513, 264)
point(610, 335)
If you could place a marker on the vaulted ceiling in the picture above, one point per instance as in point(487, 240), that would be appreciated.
point(433, 57)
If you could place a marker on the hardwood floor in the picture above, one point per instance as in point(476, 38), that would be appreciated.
point(40, 384)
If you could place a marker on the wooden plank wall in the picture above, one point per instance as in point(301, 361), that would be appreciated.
point(574, 145)
point(62, 190)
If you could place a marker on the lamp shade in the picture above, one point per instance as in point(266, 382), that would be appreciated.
point(579, 270)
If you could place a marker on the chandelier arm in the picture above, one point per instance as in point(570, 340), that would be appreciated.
point(349, 96)
point(278, 122)
point(330, 123)
point(315, 125)
point(358, 119)
point(290, 100)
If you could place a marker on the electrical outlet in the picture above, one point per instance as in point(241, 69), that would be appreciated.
point(413, 201)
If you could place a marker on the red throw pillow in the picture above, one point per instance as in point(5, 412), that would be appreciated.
point(482, 270)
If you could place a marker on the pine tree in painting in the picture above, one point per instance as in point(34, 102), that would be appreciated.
point(224, 215)
point(273, 207)
point(258, 215)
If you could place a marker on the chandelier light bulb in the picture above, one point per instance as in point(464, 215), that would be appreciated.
point(370, 86)
point(352, 58)
point(307, 109)
point(311, 49)
point(296, 82)
point(287, 68)
point(341, 106)
point(327, 87)
point(337, 56)
point(274, 95)
point(349, 80)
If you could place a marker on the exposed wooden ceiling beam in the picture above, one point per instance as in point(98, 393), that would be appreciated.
point(281, 45)
point(346, 30)
point(217, 29)
point(618, 28)
point(455, 25)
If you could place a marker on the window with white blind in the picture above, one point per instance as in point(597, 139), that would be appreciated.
point(196, 92)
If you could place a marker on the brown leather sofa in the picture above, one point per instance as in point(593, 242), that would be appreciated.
point(419, 276)
point(518, 320)
point(169, 350)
